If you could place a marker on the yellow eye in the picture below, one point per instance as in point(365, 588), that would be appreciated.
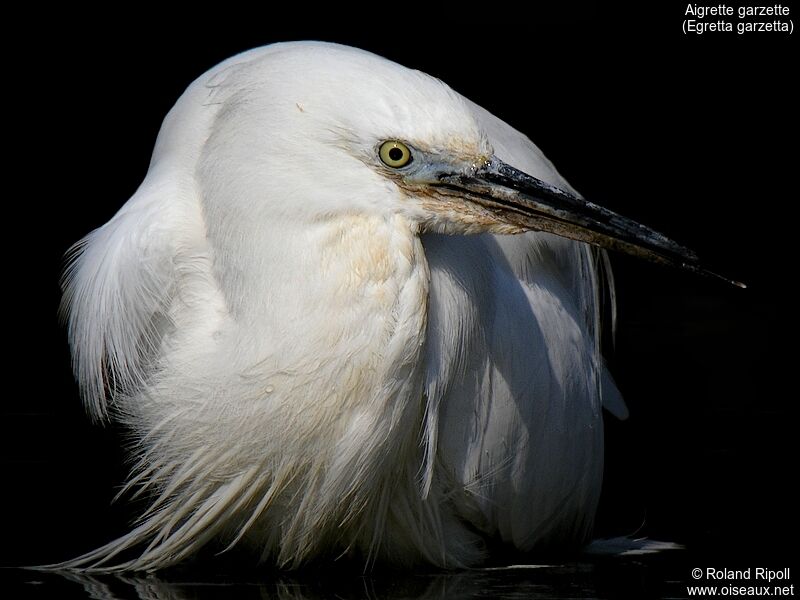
point(395, 154)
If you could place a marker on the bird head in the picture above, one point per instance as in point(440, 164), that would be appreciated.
point(340, 131)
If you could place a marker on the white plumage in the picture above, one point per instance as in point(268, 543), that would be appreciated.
point(313, 356)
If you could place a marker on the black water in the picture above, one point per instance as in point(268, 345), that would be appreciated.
point(661, 576)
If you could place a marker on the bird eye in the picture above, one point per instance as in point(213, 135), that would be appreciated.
point(395, 154)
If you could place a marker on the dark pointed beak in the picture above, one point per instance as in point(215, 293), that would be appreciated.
point(531, 204)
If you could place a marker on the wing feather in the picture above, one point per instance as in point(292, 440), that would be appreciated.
point(117, 288)
point(515, 380)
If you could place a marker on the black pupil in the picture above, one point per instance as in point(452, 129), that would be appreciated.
point(395, 154)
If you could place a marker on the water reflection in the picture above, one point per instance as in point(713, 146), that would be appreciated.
point(650, 578)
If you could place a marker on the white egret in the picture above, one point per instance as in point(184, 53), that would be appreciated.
point(312, 320)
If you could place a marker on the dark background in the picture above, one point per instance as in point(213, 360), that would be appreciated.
point(694, 136)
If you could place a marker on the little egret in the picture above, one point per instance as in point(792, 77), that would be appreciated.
point(313, 321)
